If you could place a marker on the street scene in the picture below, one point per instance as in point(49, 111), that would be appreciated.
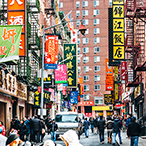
point(72, 72)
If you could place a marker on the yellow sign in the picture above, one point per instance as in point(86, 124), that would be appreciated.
point(118, 2)
point(118, 52)
point(116, 72)
point(118, 25)
point(116, 92)
point(118, 11)
point(101, 108)
point(118, 38)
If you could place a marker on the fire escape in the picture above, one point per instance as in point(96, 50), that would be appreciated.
point(135, 14)
point(3, 12)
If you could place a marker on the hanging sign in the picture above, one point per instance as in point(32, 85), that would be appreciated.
point(108, 99)
point(74, 97)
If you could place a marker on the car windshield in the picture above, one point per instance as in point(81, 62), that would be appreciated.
point(66, 118)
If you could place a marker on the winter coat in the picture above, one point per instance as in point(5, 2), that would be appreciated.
point(36, 124)
point(12, 124)
point(86, 124)
point(95, 122)
point(4, 130)
point(16, 123)
point(116, 126)
point(128, 121)
point(22, 129)
point(27, 122)
point(134, 129)
point(92, 122)
point(101, 125)
point(48, 121)
point(109, 125)
point(55, 126)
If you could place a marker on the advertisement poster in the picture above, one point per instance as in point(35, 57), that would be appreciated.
point(74, 97)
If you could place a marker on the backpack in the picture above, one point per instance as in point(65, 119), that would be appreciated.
point(110, 125)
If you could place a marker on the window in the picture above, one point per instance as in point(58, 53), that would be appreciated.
point(96, 21)
point(85, 13)
point(86, 69)
point(79, 50)
point(78, 41)
point(85, 22)
point(96, 68)
point(97, 87)
point(98, 100)
point(61, 5)
point(78, 23)
point(77, 13)
point(86, 97)
point(79, 59)
point(97, 78)
point(110, 3)
point(85, 40)
point(85, 59)
point(79, 69)
point(87, 31)
point(96, 49)
point(96, 40)
point(96, 12)
point(96, 30)
point(86, 88)
point(86, 50)
point(96, 59)
point(85, 4)
point(96, 3)
point(77, 4)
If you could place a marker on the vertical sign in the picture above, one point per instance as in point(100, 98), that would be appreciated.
point(51, 52)
point(16, 16)
point(109, 76)
point(74, 97)
point(70, 52)
point(118, 30)
point(116, 84)
point(124, 75)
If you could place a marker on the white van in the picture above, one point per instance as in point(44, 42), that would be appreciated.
point(66, 121)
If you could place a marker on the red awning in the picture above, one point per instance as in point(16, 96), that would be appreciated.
point(118, 105)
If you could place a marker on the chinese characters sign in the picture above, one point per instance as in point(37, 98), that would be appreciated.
point(108, 99)
point(118, 30)
point(70, 52)
point(51, 52)
point(61, 74)
point(116, 87)
point(9, 42)
point(109, 76)
point(124, 74)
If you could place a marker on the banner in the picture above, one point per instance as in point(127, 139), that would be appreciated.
point(70, 52)
point(81, 89)
point(74, 97)
point(124, 74)
point(108, 99)
point(51, 52)
point(9, 42)
point(109, 76)
point(61, 74)
point(118, 30)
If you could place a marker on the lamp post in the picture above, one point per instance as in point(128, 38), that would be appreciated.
point(82, 30)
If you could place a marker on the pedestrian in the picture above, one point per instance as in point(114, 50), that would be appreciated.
point(133, 131)
point(101, 126)
point(95, 125)
point(31, 129)
point(53, 128)
point(116, 130)
point(3, 127)
point(109, 126)
point(48, 121)
point(36, 123)
point(42, 132)
point(81, 129)
point(22, 130)
point(14, 140)
point(12, 124)
point(16, 123)
point(2, 138)
point(27, 122)
point(128, 120)
point(86, 125)
point(92, 124)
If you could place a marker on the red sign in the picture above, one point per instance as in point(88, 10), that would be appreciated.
point(88, 114)
point(124, 70)
point(81, 89)
point(86, 103)
point(64, 90)
point(39, 89)
point(51, 50)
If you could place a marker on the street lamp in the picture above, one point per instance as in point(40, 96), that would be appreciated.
point(81, 29)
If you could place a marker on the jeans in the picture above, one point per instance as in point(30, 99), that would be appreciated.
point(37, 133)
point(114, 137)
point(134, 140)
point(86, 132)
point(109, 133)
point(92, 128)
point(53, 136)
point(101, 135)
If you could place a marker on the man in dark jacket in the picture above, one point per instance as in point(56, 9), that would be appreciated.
point(53, 128)
point(133, 131)
point(86, 125)
point(95, 125)
point(128, 120)
point(109, 126)
point(101, 126)
point(48, 121)
point(116, 130)
point(16, 123)
point(36, 123)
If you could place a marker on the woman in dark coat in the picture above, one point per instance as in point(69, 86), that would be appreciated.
point(42, 132)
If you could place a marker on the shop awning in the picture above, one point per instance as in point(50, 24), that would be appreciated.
point(118, 105)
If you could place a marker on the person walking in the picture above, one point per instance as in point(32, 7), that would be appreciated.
point(42, 132)
point(101, 126)
point(12, 124)
point(2, 138)
point(92, 124)
point(31, 128)
point(3, 127)
point(48, 121)
point(133, 132)
point(95, 125)
point(128, 120)
point(16, 123)
point(116, 130)
point(86, 125)
point(36, 123)
point(27, 122)
point(53, 128)
point(109, 126)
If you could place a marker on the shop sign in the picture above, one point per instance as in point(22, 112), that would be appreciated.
point(21, 90)
point(124, 75)
point(16, 4)
point(81, 89)
point(80, 80)
point(31, 97)
point(51, 52)
point(74, 97)
point(47, 80)
point(118, 30)
point(59, 87)
point(138, 90)
point(101, 108)
point(88, 114)
point(70, 53)
point(64, 90)
point(109, 76)
point(61, 74)
point(86, 103)
point(116, 91)
point(108, 99)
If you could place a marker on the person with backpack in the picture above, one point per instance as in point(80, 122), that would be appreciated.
point(109, 126)
point(128, 120)
point(86, 125)
point(92, 124)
